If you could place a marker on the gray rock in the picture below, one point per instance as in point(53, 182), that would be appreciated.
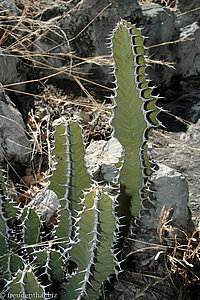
point(45, 204)
point(63, 33)
point(193, 133)
point(187, 53)
point(171, 190)
point(14, 144)
point(158, 26)
point(101, 157)
point(12, 70)
point(180, 151)
point(10, 7)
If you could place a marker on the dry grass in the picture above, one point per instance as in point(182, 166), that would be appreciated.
point(184, 256)
point(20, 36)
point(180, 250)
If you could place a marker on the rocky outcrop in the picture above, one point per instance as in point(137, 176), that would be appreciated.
point(83, 27)
point(160, 25)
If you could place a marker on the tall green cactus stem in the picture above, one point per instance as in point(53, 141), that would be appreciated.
point(70, 177)
point(109, 228)
point(135, 112)
point(90, 211)
point(94, 253)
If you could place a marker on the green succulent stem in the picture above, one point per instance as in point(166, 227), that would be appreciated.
point(135, 111)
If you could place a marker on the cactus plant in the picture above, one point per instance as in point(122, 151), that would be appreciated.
point(90, 211)
point(82, 250)
point(135, 112)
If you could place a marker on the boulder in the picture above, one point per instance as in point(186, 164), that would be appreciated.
point(158, 25)
point(93, 41)
point(14, 144)
point(45, 204)
point(171, 190)
point(101, 157)
point(155, 234)
point(186, 54)
point(53, 42)
point(70, 20)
